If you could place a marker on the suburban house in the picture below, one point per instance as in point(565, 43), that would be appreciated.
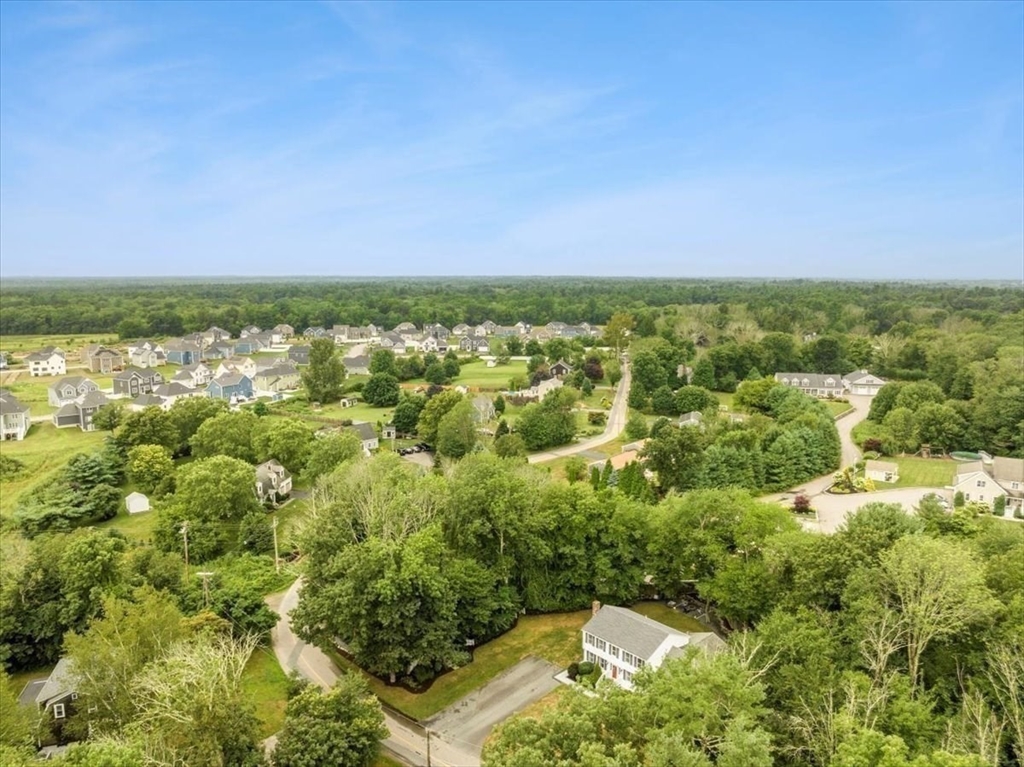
point(542, 389)
point(172, 391)
point(249, 345)
point(432, 343)
point(816, 384)
point(136, 503)
point(15, 418)
point(990, 478)
point(474, 344)
point(489, 327)
point(479, 332)
point(282, 377)
point(506, 331)
point(367, 435)
point(484, 407)
point(881, 471)
point(243, 365)
point(618, 462)
point(462, 329)
point(102, 359)
point(148, 400)
point(47, 362)
point(273, 482)
point(281, 332)
point(219, 350)
point(80, 412)
point(437, 330)
point(560, 369)
point(250, 330)
point(231, 386)
point(862, 382)
point(195, 375)
point(146, 358)
point(357, 366)
point(182, 352)
point(57, 695)
point(134, 381)
point(622, 642)
point(316, 331)
point(69, 389)
point(394, 342)
point(299, 355)
point(213, 335)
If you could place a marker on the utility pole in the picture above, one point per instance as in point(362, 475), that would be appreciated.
point(428, 748)
point(206, 588)
point(184, 535)
point(277, 560)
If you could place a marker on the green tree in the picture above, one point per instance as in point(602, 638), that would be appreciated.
point(381, 390)
point(636, 426)
point(452, 367)
point(255, 533)
point(638, 398)
point(407, 414)
point(752, 396)
point(618, 329)
point(663, 401)
point(108, 417)
point(288, 440)
point(149, 465)
point(509, 446)
point(499, 405)
point(436, 374)
point(324, 377)
point(383, 361)
point(227, 434)
point(149, 426)
point(436, 409)
point(343, 726)
point(676, 456)
point(939, 426)
point(216, 488)
point(575, 469)
point(704, 374)
point(648, 371)
point(456, 432)
point(328, 452)
point(902, 427)
point(695, 399)
point(188, 415)
point(17, 723)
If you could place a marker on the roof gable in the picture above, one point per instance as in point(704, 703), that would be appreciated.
point(630, 631)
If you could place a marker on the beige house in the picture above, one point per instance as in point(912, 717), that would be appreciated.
point(990, 478)
point(283, 376)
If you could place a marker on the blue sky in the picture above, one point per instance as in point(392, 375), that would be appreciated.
point(692, 140)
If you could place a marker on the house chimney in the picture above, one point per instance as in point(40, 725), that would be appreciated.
point(595, 606)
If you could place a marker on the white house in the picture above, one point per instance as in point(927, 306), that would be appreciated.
point(47, 362)
point(273, 481)
point(15, 418)
point(367, 436)
point(622, 642)
point(69, 389)
point(881, 471)
point(136, 503)
point(991, 478)
point(815, 384)
point(862, 382)
point(975, 483)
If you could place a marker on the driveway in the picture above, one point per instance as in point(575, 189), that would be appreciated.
point(406, 740)
point(832, 509)
point(615, 426)
point(471, 720)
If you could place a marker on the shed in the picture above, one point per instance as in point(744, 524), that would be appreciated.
point(136, 503)
point(881, 471)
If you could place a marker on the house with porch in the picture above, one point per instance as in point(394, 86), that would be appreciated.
point(821, 385)
point(15, 418)
point(990, 478)
point(231, 386)
point(280, 332)
point(146, 358)
point(622, 642)
point(474, 344)
point(283, 376)
point(69, 389)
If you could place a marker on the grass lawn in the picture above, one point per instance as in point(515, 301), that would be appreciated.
point(476, 375)
point(138, 527)
point(660, 612)
point(385, 761)
point(866, 430)
point(554, 637)
point(21, 678)
point(724, 398)
point(267, 686)
point(837, 408)
point(922, 472)
point(70, 344)
point(44, 451)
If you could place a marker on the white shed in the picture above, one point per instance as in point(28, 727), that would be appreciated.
point(136, 503)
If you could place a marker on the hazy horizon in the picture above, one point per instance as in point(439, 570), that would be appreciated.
point(840, 141)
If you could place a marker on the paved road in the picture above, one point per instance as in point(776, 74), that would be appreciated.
point(615, 426)
point(832, 509)
point(404, 741)
point(470, 720)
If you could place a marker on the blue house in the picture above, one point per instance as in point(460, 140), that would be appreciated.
point(182, 352)
point(247, 345)
point(219, 351)
point(230, 386)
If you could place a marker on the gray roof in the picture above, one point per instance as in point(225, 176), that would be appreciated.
point(631, 631)
point(230, 379)
point(279, 369)
point(969, 467)
point(75, 381)
point(9, 404)
point(858, 375)
point(173, 389)
point(1008, 469)
point(181, 345)
point(69, 408)
point(815, 380)
point(62, 681)
point(148, 400)
point(128, 373)
point(356, 362)
point(39, 356)
point(365, 431)
point(702, 640)
point(93, 399)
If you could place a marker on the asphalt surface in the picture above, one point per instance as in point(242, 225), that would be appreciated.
point(406, 741)
point(470, 720)
point(615, 426)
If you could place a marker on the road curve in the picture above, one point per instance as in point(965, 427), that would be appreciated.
point(615, 426)
point(405, 742)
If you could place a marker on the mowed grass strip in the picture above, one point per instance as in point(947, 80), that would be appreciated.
point(554, 637)
point(837, 408)
point(266, 685)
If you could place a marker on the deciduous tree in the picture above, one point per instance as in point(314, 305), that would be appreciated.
point(324, 377)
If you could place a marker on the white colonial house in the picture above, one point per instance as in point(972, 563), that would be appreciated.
point(862, 382)
point(15, 418)
point(622, 642)
point(815, 384)
point(47, 362)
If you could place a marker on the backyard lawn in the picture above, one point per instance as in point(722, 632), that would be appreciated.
point(554, 637)
point(922, 472)
point(837, 408)
point(267, 686)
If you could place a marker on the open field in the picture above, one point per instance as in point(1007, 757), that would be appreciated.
point(267, 686)
point(44, 451)
point(554, 637)
point(476, 375)
point(70, 344)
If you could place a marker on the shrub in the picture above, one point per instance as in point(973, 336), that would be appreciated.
point(584, 668)
point(999, 506)
point(802, 505)
point(573, 670)
point(958, 500)
point(872, 445)
point(597, 419)
point(1018, 513)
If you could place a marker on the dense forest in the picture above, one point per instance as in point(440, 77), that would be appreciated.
point(167, 308)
